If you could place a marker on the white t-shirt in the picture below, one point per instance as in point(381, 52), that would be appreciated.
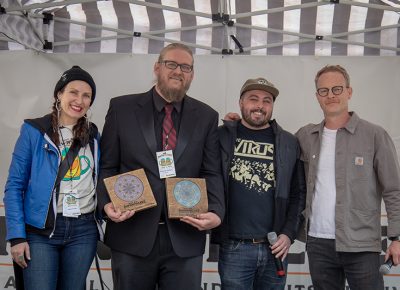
point(322, 219)
point(79, 177)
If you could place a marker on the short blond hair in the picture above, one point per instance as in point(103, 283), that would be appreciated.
point(333, 68)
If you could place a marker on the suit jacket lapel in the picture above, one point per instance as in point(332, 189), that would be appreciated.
point(145, 116)
point(144, 112)
point(188, 122)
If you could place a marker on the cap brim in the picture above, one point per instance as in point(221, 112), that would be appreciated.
point(272, 90)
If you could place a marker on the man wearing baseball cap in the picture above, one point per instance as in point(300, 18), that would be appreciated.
point(264, 190)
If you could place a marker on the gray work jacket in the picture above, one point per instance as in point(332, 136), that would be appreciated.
point(366, 170)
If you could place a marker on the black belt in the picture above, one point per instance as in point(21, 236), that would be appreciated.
point(254, 241)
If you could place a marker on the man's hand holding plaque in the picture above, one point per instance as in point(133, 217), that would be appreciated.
point(130, 191)
point(203, 221)
point(186, 197)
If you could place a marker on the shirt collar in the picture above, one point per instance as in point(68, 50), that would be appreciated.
point(350, 125)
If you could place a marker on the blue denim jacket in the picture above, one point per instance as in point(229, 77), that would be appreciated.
point(30, 188)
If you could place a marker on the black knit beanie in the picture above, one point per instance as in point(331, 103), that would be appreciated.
point(75, 74)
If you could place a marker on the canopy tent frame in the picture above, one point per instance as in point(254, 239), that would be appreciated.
point(220, 19)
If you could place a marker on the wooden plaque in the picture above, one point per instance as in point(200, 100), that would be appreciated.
point(130, 191)
point(186, 197)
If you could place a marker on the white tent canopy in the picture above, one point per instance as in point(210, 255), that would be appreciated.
point(258, 27)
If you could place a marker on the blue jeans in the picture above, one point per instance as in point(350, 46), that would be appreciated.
point(329, 269)
point(63, 261)
point(244, 266)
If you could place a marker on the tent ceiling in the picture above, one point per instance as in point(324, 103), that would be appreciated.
point(258, 27)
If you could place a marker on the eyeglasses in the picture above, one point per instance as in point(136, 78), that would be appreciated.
point(173, 65)
point(336, 90)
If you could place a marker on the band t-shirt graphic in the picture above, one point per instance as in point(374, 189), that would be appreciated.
point(252, 184)
point(79, 176)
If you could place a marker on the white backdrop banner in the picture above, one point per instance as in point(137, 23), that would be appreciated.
point(27, 81)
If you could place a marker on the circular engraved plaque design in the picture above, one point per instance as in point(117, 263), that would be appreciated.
point(187, 193)
point(128, 187)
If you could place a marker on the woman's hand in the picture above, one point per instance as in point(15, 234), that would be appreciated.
point(20, 254)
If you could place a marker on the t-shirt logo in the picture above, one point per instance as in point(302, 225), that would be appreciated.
point(253, 166)
point(79, 167)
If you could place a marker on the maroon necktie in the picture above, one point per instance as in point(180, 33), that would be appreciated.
point(169, 133)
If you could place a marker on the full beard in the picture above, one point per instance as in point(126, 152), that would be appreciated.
point(257, 123)
point(172, 94)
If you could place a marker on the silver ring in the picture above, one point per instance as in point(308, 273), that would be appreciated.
point(20, 258)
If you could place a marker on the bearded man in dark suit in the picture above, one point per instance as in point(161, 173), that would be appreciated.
point(148, 249)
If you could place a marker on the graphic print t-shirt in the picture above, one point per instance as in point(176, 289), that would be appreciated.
point(79, 177)
point(252, 184)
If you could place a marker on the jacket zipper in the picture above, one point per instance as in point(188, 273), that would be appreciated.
point(53, 199)
point(96, 168)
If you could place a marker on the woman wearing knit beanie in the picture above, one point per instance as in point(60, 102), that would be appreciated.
point(50, 196)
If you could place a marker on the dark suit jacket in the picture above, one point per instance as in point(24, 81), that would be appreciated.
point(129, 143)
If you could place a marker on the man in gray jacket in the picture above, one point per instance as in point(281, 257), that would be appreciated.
point(350, 166)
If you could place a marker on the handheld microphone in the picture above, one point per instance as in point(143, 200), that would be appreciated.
point(385, 267)
point(280, 270)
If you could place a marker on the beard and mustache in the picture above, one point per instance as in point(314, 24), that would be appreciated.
point(173, 94)
point(256, 122)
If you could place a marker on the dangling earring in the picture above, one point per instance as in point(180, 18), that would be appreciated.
point(88, 117)
point(58, 108)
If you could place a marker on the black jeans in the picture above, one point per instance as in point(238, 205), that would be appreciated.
point(329, 269)
point(161, 267)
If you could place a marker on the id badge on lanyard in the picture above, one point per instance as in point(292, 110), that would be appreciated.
point(71, 204)
point(166, 164)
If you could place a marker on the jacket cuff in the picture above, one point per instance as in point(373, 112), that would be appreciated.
point(14, 242)
point(291, 238)
point(219, 213)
